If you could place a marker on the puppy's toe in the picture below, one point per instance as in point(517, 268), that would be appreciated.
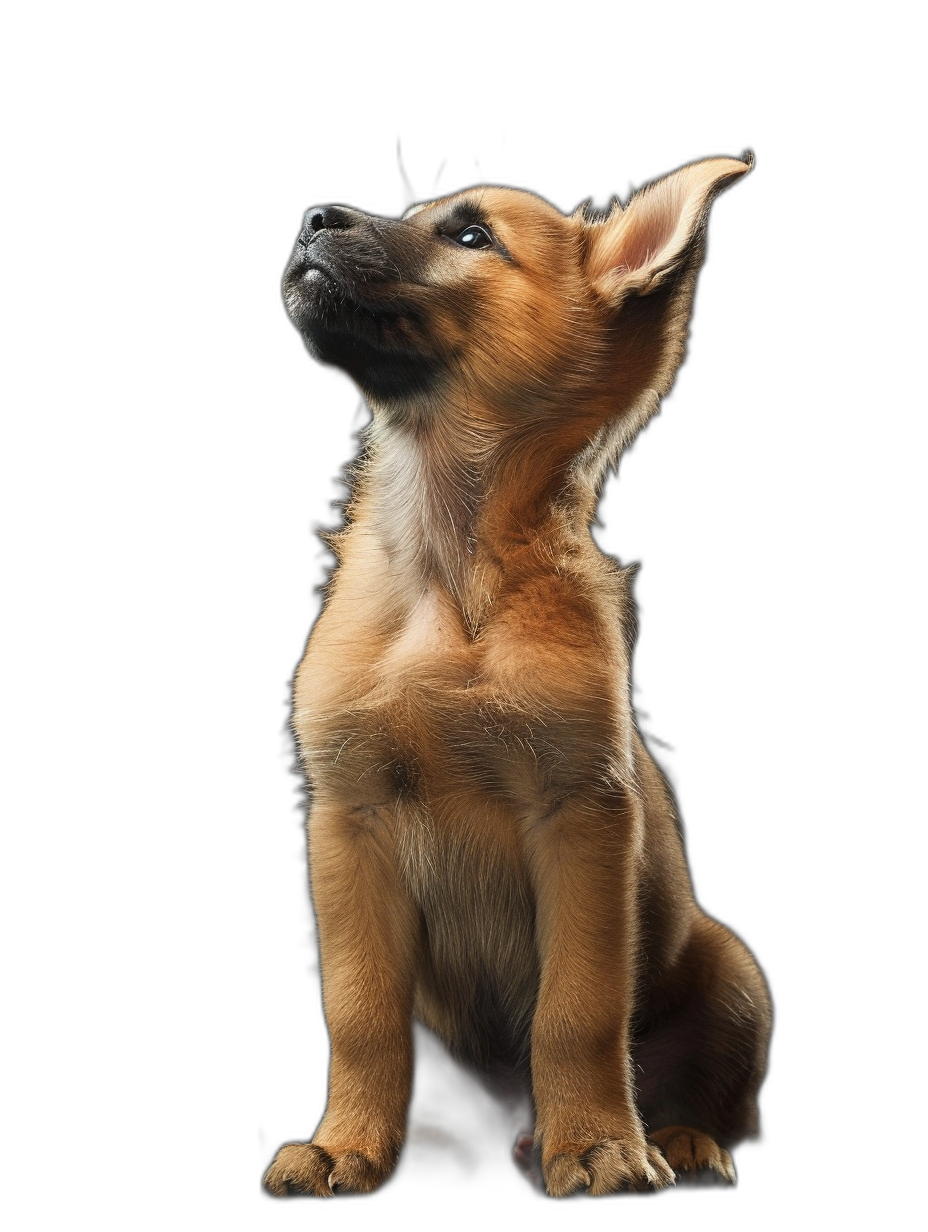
point(527, 1158)
point(300, 1168)
point(356, 1173)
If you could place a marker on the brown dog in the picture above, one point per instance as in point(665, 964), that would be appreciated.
point(492, 847)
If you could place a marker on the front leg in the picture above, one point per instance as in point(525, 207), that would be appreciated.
point(367, 938)
point(584, 861)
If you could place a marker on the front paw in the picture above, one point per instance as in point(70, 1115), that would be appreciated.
point(305, 1168)
point(607, 1167)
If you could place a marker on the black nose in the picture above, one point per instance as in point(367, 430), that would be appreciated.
point(328, 218)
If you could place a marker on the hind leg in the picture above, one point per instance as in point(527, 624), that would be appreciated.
point(701, 1056)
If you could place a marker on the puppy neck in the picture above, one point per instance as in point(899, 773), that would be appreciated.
point(452, 500)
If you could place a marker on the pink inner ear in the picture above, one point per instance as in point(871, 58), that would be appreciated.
point(650, 223)
point(640, 244)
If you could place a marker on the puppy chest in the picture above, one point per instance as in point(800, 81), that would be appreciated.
point(434, 713)
point(455, 749)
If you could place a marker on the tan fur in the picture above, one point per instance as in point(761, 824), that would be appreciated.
point(492, 847)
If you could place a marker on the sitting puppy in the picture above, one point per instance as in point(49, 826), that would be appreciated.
point(492, 847)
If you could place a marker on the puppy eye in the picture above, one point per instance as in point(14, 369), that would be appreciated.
point(474, 237)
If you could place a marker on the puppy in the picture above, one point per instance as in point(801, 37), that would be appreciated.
point(492, 847)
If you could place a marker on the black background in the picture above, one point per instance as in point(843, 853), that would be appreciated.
point(699, 502)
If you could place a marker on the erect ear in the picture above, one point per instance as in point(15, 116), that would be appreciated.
point(635, 250)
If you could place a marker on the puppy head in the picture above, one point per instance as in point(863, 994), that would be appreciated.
point(494, 301)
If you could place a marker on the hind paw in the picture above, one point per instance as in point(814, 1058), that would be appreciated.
point(694, 1154)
